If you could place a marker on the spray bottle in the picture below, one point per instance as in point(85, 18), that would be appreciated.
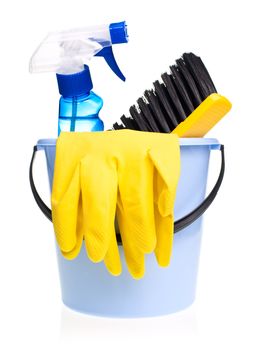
point(68, 53)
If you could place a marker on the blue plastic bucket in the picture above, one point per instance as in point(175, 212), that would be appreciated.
point(89, 288)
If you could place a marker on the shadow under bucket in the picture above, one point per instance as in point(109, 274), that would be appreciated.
point(89, 288)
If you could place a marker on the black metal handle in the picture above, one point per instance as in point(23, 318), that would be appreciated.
point(178, 225)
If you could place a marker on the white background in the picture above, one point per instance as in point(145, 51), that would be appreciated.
point(225, 34)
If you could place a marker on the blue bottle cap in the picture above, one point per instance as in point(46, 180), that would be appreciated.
point(118, 32)
point(75, 84)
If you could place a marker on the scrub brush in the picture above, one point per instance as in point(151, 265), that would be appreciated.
point(186, 102)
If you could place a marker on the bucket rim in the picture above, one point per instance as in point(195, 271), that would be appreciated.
point(213, 143)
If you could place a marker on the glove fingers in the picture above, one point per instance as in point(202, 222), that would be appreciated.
point(65, 213)
point(135, 258)
point(163, 212)
point(99, 195)
point(112, 258)
point(135, 204)
point(165, 235)
point(79, 232)
point(167, 173)
point(166, 176)
point(135, 263)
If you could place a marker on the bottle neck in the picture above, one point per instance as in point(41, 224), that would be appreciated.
point(77, 98)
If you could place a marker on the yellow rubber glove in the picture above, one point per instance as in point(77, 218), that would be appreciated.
point(131, 173)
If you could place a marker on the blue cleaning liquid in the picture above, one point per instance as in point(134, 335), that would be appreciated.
point(80, 113)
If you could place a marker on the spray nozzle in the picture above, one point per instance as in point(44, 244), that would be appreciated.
point(67, 52)
point(119, 35)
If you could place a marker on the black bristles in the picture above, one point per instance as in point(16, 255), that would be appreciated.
point(117, 126)
point(189, 83)
point(155, 106)
point(129, 122)
point(200, 74)
point(171, 102)
point(147, 112)
point(164, 99)
point(139, 119)
point(182, 90)
point(167, 79)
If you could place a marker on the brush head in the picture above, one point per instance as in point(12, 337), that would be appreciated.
point(171, 101)
point(205, 117)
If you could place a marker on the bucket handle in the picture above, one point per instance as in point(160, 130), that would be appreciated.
point(178, 225)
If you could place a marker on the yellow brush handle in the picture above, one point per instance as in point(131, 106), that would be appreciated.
point(204, 117)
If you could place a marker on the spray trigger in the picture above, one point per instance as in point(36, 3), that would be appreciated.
point(109, 57)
